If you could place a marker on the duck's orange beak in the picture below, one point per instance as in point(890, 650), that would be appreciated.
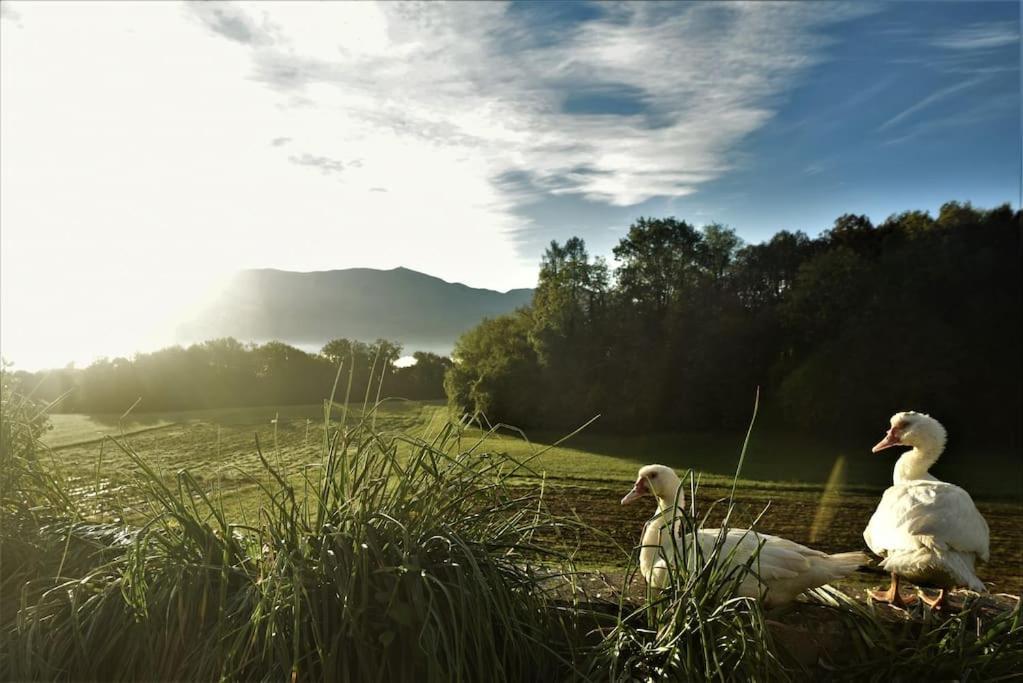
point(892, 438)
point(638, 491)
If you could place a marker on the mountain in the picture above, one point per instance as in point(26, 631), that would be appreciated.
point(422, 312)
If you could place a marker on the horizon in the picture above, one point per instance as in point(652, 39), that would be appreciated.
point(173, 145)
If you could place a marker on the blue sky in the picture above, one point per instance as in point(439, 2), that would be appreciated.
point(907, 105)
point(152, 149)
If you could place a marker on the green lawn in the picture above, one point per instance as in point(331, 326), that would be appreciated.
point(213, 441)
point(772, 457)
point(68, 430)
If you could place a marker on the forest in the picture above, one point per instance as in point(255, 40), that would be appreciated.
point(224, 373)
point(837, 331)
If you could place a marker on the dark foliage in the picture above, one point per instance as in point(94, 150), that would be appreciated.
point(839, 331)
point(226, 373)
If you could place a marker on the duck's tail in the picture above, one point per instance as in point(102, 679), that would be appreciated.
point(957, 567)
point(963, 565)
point(841, 565)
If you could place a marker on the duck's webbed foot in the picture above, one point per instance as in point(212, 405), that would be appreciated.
point(892, 596)
point(934, 603)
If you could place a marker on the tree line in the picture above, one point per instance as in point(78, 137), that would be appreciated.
point(223, 373)
point(838, 331)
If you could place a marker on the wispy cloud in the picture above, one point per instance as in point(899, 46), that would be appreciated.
point(231, 21)
point(934, 97)
point(325, 164)
point(982, 111)
point(981, 36)
point(7, 11)
point(651, 99)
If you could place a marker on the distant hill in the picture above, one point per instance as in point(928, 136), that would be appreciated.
point(422, 312)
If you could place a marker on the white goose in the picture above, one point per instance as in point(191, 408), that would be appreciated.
point(926, 530)
point(782, 571)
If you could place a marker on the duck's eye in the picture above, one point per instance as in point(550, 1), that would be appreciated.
point(653, 475)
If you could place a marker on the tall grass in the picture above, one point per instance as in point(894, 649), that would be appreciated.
point(392, 559)
point(35, 508)
point(982, 641)
point(698, 627)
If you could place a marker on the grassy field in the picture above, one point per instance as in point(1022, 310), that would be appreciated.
point(76, 429)
point(827, 506)
point(421, 556)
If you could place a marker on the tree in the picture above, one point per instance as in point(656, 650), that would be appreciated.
point(718, 249)
point(659, 257)
point(956, 214)
point(570, 292)
point(424, 379)
point(495, 372)
point(345, 351)
point(765, 272)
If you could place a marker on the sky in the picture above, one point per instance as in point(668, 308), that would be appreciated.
point(150, 149)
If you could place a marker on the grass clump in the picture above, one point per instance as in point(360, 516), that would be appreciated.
point(981, 640)
point(34, 505)
point(698, 627)
point(368, 565)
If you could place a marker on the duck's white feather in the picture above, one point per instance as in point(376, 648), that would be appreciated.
point(929, 532)
point(782, 570)
point(926, 530)
point(779, 569)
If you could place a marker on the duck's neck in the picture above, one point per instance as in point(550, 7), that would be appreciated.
point(675, 497)
point(915, 463)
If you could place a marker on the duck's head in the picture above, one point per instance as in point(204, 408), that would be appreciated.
point(913, 429)
point(658, 481)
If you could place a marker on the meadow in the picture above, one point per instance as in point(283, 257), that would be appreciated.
point(395, 544)
point(584, 475)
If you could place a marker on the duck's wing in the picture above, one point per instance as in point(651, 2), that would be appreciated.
point(928, 513)
point(948, 514)
point(885, 531)
point(779, 558)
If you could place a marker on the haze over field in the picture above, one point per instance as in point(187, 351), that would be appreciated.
point(152, 150)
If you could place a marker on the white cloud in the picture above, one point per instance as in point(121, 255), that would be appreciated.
point(149, 148)
point(934, 97)
point(981, 36)
point(981, 110)
point(7, 11)
point(467, 76)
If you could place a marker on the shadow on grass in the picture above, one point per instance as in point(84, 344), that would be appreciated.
point(786, 457)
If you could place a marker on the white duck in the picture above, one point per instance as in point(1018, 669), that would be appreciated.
point(926, 530)
point(782, 571)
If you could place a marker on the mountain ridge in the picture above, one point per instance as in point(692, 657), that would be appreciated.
point(307, 309)
point(396, 269)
